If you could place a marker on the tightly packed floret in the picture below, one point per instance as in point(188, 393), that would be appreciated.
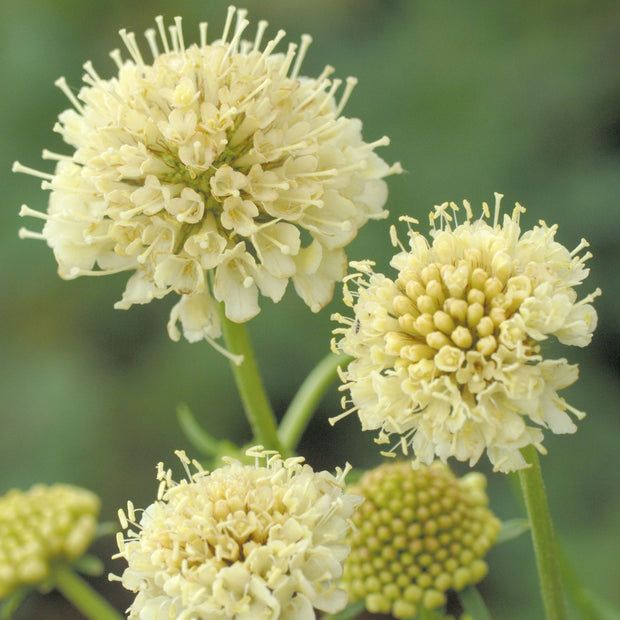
point(41, 526)
point(215, 172)
point(419, 533)
point(241, 542)
point(449, 354)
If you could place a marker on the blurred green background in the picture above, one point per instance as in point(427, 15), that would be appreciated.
point(517, 97)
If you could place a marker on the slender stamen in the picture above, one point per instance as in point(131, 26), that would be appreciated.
point(260, 31)
point(203, 33)
point(159, 20)
point(24, 233)
point(17, 167)
point(266, 82)
point(240, 26)
point(115, 55)
point(306, 39)
point(232, 46)
point(268, 49)
point(178, 22)
point(229, 16)
point(88, 67)
point(290, 54)
point(348, 89)
point(319, 88)
point(55, 156)
point(174, 38)
point(151, 36)
point(61, 82)
point(129, 39)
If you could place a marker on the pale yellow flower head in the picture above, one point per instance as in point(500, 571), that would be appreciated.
point(43, 525)
point(419, 533)
point(242, 542)
point(450, 354)
point(213, 171)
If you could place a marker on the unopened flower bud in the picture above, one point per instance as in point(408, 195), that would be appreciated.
point(40, 526)
point(435, 527)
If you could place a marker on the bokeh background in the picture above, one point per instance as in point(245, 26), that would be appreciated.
point(517, 97)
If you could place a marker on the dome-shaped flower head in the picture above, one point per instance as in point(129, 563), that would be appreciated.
point(243, 542)
point(419, 533)
point(43, 525)
point(449, 355)
point(214, 172)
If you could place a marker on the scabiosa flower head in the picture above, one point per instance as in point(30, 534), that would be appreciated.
point(242, 542)
point(419, 533)
point(448, 355)
point(43, 525)
point(215, 172)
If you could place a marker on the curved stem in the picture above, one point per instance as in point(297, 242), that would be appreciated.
point(533, 489)
point(308, 396)
point(250, 386)
point(82, 596)
point(196, 435)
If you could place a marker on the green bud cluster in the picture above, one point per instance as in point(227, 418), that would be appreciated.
point(419, 533)
point(40, 526)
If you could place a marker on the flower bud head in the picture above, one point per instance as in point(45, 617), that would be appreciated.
point(40, 526)
point(419, 533)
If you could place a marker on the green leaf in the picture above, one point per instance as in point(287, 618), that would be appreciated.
point(474, 604)
point(431, 614)
point(349, 612)
point(600, 609)
point(10, 605)
point(591, 606)
point(511, 529)
point(107, 528)
point(89, 565)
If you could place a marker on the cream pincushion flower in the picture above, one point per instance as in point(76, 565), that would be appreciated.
point(448, 355)
point(241, 542)
point(213, 172)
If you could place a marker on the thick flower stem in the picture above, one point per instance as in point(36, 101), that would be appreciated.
point(308, 396)
point(82, 596)
point(250, 386)
point(533, 489)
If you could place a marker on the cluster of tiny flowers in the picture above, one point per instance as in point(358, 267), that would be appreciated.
point(448, 355)
point(419, 533)
point(42, 526)
point(216, 173)
point(242, 542)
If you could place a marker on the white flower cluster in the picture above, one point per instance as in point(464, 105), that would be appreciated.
point(241, 543)
point(448, 354)
point(216, 172)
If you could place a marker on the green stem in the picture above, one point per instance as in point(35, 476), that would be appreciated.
point(308, 396)
point(82, 596)
point(250, 386)
point(533, 490)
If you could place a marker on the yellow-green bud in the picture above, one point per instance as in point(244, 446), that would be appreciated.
point(419, 533)
point(44, 524)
